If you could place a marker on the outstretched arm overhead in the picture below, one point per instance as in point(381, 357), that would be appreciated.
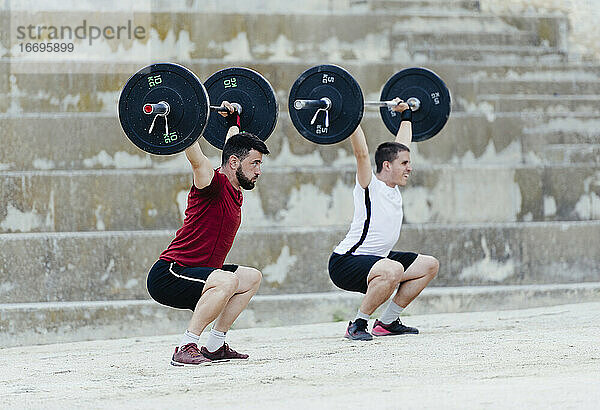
point(233, 129)
point(404, 134)
point(364, 171)
point(201, 166)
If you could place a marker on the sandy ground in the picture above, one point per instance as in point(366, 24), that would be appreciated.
point(535, 358)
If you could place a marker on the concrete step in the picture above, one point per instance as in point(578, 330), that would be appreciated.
point(451, 40)
point(206, 6)
point(422, 5)
point(95, 86)
point(541, 103)
point(469, 88)
point(318, 35)
point(43, 323)
point(75, 266)
point(96, 141)
point(523, 71)
point(568, 154)
point(44, 201)
point(426, 54)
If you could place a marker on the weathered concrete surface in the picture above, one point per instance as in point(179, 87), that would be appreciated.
point(42, 323)
point(434, 5)
point(96, 141)
point(114, 265)
point(490, 53)
point(184, 35)
point(576, 153)
point(582, 16)
point(572, 86)
point(543, 103)
point(94, 86)
point(492, 360)
point(112, 200)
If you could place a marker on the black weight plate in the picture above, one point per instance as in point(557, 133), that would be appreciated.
point(347, 104)
point(429, 88)
point(187, 99)
point(249, 89)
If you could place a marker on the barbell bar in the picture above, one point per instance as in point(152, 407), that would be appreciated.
point(325, 103)
point(162, 108)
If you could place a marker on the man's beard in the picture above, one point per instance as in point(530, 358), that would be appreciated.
point(244, 182)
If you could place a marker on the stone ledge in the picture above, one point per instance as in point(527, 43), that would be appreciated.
point(43, 323)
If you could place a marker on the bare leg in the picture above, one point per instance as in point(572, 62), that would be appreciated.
point(249, 282)
point(218, 290)
point(417, 276)
point(383, 278)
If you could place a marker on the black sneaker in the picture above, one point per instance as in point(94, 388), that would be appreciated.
point(357, 330)
point(394, 328)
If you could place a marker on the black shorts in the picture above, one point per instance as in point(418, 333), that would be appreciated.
point(179, 286)
point(349, 272)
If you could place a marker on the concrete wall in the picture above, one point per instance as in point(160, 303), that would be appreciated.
point(583, 16)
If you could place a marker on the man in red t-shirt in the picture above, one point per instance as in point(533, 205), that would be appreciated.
point(190, 273)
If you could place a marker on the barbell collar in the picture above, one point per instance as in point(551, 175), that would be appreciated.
point(161, 108)
point(414, 103)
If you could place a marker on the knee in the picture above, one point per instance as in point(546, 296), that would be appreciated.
point(392, 275)
point(255, 276)
point(433, 266)
point(228, 282)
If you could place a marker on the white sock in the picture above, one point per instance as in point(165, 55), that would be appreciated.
point(391, 313)
point(361, 315)
point(215, 340)
point(189, 337)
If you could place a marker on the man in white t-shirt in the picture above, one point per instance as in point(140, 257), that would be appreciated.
point(364, 261)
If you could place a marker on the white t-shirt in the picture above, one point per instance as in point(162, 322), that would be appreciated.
point(375, 228)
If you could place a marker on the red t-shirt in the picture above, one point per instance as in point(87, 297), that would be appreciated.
point(212, 218)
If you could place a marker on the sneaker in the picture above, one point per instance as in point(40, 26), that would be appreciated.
point(357, 330)
point(188, 355)
point(223, 353)
point(394, 328)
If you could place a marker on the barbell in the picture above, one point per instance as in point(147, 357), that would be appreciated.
point(164, 108)
point(326, 103)
point(173, 96)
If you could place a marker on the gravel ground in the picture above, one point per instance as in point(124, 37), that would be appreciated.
point(534, 358)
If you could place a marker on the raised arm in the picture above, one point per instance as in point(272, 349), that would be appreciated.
point(201, 166)
point(364, 171)
point(233, 119)
point(232, 131)
point(404, 134)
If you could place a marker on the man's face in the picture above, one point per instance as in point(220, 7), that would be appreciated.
point(401, 168)
point(249, 170)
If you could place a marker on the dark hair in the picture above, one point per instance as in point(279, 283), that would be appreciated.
point(240, 146)
point(388, 151)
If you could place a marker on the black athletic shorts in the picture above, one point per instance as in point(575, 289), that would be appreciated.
point(179, 286)
point(349, 272)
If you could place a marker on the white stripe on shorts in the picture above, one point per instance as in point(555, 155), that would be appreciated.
point(183, 277)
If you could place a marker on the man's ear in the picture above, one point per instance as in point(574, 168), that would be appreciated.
point(233, 161)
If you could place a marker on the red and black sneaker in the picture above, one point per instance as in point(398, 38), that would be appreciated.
point(188, 355)
point(357, 330)
point(394, 328)
point(223, 353)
